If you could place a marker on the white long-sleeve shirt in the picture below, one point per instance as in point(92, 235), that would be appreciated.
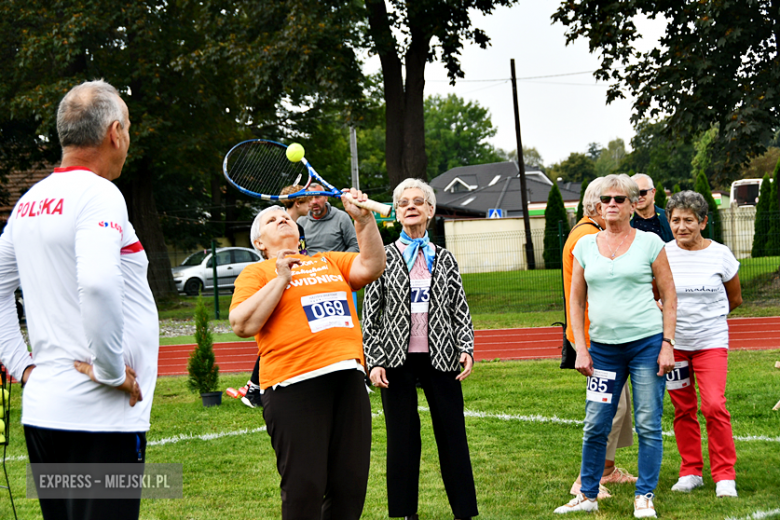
point(71, 247)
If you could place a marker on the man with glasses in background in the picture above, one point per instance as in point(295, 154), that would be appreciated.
point(648, 216)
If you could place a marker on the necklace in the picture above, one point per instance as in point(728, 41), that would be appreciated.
point(612, 257)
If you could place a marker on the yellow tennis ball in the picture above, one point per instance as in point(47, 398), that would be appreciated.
point(2, 426)
point(295, 152)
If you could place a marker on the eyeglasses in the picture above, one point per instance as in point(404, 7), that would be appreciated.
point(642, 193)
point(606, 199)
point(417, 201)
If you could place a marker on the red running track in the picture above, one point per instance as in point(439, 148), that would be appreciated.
point(503, 344)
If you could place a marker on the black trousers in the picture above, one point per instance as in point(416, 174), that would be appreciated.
point(63, 446)
point(321, 432)
point(445, 399)
point(255, 377)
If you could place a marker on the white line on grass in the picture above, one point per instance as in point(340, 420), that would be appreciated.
point(758, 515)
point(204, 437)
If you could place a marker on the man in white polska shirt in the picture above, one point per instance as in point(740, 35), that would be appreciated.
point(91, 316)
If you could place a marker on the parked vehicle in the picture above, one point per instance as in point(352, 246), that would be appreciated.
point(196, 273)
point(745, 192)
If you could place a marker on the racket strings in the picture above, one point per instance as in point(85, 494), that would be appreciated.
point(264, 168)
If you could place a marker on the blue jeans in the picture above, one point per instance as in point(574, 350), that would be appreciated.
point(639, 359)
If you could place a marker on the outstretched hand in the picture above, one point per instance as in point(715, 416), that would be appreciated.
point(130, 386)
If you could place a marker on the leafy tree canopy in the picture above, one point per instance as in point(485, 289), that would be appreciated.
point(577, 167)
point(715, 64)
point(456, 133)
point(666, 160)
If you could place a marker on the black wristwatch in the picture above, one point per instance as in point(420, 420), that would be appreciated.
point(670, 341)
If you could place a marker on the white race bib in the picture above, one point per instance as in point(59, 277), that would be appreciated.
point(680, 377)
point(327, 310)
point(421, 295)
point(601, 386)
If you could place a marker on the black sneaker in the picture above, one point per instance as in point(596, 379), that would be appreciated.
point(252, 397)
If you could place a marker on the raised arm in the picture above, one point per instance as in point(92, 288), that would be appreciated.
point(370, 262)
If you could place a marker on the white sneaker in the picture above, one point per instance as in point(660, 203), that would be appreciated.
point(578, 503)
point(688, 483)
point(726, 488)
point(643, 506)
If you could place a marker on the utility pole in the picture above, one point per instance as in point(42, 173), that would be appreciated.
point(529, 243)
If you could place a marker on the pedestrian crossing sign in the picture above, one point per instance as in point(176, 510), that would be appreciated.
point(495, 213)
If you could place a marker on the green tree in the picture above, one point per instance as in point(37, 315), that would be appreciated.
point(531, 156)
point(580, 208)
point(773, 238)
point(702, 186)
point(575, 168)
point(555, 211)
point(406, 38)
point(660, 195)
point(196, 76)
point(610, 157)
point(763, 223)
point(715, 64)
point(676, 188)
point(666, 160)
point(203, 372)
point(456, 134)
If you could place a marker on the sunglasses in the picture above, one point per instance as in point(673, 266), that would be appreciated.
point(606, 199)
point(642, 193)
point(417, 201)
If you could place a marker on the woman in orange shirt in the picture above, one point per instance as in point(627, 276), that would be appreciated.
point(315, 405)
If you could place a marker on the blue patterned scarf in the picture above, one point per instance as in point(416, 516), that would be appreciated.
point(413, 246)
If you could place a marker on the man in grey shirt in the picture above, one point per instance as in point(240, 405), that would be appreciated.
point(327, 228)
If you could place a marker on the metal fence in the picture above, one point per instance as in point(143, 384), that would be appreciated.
point(497, 280)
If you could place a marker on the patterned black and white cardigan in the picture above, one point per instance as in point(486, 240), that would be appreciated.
point(387, 314)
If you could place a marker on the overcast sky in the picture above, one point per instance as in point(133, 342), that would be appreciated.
point(558, 115)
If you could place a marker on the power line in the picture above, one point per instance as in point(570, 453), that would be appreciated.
point(507, 79)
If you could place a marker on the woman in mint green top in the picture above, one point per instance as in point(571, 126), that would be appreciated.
point(620, 292)
point(629, 336)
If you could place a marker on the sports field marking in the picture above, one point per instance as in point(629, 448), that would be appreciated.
point(204, 437)
point(758, 515)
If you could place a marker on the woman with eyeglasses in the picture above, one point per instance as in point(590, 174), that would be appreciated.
point(417, 327)
point(614, 271)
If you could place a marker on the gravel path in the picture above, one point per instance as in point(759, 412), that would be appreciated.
point(171, 328)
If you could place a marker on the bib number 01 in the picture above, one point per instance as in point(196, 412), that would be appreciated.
point(680, 377)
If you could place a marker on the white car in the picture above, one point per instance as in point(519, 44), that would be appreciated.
point(196, 273)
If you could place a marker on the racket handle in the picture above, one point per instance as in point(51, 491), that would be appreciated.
point(372, 205)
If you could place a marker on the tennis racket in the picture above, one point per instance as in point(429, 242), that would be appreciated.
point(260, 168)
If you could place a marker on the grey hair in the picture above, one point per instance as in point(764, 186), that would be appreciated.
point(622, 182)
point(590, 200)
point(644, 176)
point(406, 184)
point(254, 232)
point(688, 200)
point(86, 112)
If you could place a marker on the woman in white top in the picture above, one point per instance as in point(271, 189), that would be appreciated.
point(705, 275)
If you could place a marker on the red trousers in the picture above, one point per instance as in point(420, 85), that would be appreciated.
point(708, 369)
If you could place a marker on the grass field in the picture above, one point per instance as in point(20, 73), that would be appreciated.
point(524, 463)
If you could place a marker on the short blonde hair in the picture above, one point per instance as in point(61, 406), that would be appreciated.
point(407, 184)
point(591, 200)
point(622, 182)
point(254, 232)
point(289, 203)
